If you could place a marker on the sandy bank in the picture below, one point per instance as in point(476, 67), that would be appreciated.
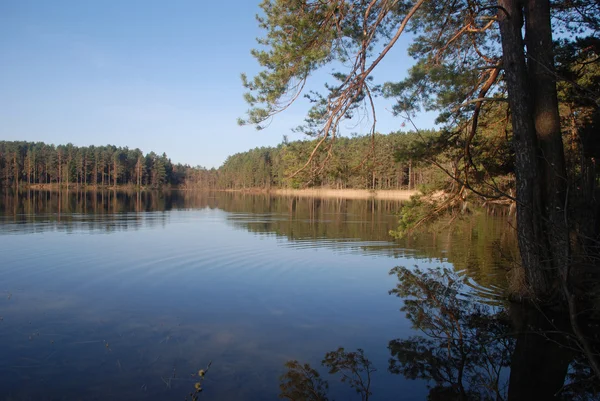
point(346, 193)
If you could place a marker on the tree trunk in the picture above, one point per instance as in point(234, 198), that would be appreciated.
point(59, 178)
point(16, 169)
point(533, 245)
point(542, 78)
point(115, 173)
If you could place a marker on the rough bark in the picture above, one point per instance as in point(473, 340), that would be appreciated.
point(542, 78)
point(532, 245)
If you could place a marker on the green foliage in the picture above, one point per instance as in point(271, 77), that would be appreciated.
point(358, 162)
point(299, 39)
point(412, 213)
point(33, 163)
point(304, 36)
point(457, 62)
point(458, 73)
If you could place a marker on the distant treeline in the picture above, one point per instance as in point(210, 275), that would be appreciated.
point(68, 165)
point(360, 162)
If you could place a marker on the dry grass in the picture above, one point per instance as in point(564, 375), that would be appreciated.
point(346, 193)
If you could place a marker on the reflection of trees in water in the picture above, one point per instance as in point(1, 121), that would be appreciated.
point(464, 350)
point(477, 244)
point(469, 350)
point(32, 202)
point(101, 211)
point(302, 382)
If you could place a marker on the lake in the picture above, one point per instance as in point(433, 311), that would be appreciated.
point(123, 296)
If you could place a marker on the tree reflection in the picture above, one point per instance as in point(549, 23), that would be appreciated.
point(471, 244)
point(303, 383)
point(470, 349)
point(464, 350)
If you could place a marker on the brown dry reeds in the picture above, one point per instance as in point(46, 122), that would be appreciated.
point(346, 193)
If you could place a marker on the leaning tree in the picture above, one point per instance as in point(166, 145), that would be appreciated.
point(478, 63)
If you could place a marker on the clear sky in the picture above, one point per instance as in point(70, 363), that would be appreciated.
point(157, 75)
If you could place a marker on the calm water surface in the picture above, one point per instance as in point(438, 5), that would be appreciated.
point(114, 296)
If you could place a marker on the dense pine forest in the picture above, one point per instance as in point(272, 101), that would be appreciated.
point(29, 163)
point(379, 162)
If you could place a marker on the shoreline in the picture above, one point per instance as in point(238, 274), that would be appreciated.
point(88, 187)
point(389, 194)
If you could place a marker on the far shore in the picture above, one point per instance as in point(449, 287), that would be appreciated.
point(82, 187)
point(393, 194)
point(398, 194)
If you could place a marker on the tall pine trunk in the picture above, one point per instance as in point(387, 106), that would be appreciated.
point(539, 155)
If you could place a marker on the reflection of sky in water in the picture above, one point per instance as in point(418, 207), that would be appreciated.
point(174, 296)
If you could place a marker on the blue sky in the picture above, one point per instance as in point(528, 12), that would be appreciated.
point(158, 75)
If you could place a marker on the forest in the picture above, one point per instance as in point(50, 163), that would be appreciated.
point(380, 162)
point(29, 163)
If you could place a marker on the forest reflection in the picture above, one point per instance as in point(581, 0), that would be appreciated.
point(465, 349)
point(482, 244)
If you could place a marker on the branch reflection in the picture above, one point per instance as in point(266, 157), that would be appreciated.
point(468, 348)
